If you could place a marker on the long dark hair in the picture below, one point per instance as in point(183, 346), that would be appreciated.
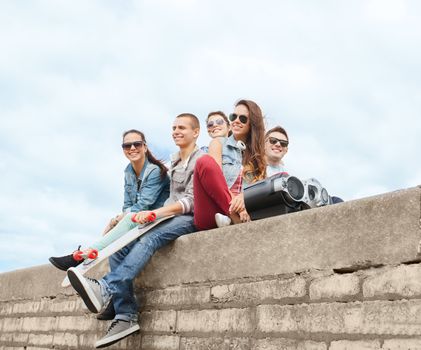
point(254, 161)
point(162, 168)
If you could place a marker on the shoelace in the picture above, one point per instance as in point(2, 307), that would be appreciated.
point(93, 280)
point(112, 325)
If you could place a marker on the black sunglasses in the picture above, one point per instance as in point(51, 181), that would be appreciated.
point(274, 141)
point(128, 145)
point(215, 122)
point(243, 118)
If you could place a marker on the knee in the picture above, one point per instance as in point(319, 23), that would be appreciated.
point(114, 262)
point(127, 218)
point(149, 244)
point(204, 162)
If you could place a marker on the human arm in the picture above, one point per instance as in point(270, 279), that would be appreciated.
point(215, 151)
point(167, 210)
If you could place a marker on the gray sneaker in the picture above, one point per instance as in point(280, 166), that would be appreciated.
point(118, 330)
point(89, 290)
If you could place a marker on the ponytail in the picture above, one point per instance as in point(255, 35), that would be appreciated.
point(162, 168)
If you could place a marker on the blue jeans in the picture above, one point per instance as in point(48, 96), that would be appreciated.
point(128, 262)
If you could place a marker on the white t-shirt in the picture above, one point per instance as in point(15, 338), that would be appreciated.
point(275, 169)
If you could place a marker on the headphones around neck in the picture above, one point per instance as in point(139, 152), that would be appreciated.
point(241, 145)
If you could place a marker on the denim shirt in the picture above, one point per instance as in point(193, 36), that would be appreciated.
point(146, 192)
point(231, 159)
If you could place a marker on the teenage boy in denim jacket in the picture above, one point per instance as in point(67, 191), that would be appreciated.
point(128, 262)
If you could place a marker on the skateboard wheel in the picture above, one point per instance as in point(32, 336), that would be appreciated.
point(134, 218)
point(93, 254)
point(77, 255)
point(151, 217)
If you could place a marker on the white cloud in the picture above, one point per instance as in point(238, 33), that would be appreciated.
point(385, 10)
point(342, 77)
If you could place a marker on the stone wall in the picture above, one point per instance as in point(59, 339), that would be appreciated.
point(340, 277)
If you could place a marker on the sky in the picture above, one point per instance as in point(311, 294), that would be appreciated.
point(343, 77)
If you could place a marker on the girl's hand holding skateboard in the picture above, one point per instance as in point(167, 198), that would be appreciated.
point(143, 217)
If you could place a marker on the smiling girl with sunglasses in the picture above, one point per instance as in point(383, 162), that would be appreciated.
point(232, 161)
point(146, 187)
point(218, 125)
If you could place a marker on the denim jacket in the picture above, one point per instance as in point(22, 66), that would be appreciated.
point(146, 192)
point(231, 159)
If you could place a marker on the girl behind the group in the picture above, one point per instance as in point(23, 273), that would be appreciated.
point(217, 125)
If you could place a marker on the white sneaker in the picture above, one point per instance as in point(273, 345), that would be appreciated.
point(222, 220)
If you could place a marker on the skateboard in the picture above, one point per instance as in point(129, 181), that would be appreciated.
point(93, 257)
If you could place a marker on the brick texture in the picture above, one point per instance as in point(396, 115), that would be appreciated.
point(334, 287)
point(208, 321)
point(65, 339)
point(402, 344)
point(264, 285)
point(261, 291)
point(214, 343)
point(355, 345)
point(396, 317)
point(40, 339)
point(163, 342)
point(158, 321)
point(404, 280)
point(177, 296)
point(288, 344)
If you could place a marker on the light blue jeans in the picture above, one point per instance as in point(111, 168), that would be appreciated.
point(126, 264)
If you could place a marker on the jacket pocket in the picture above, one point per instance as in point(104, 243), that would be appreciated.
point(226, 159)
point(178, 177)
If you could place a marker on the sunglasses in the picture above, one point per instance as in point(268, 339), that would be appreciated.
point(128, 145)
point(215, 122)
point(274, 141)
point(243, 118)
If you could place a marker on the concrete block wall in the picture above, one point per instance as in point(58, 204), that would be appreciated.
point(341, 277)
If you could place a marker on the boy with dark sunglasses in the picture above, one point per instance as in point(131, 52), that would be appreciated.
point(276, 147)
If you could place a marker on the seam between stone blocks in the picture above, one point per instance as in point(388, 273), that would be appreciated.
point(419, 220)
point(175, 331)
